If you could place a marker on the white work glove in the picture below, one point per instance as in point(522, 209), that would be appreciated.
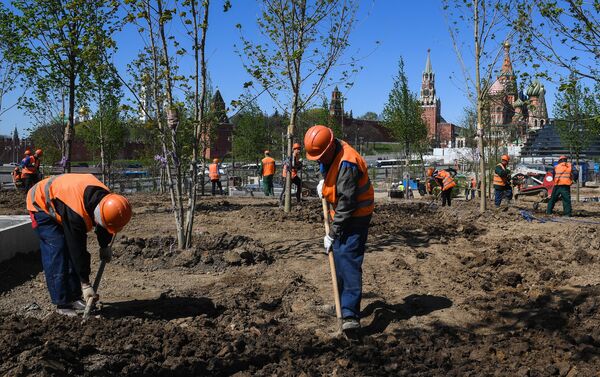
point(320, 188)
point(106, 254)
point(88, 292)
point(327, 243)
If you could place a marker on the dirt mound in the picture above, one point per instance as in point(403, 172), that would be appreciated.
point(12, 202)
point(418, 224)
point(211, 252)
point(310, 212)
point(255, 339)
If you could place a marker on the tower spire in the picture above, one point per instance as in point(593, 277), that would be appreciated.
point(428, 63)
point(507, 69)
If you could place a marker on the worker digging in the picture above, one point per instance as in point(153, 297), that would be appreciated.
point(564, 176)
point(63, 209)
point(348, 190)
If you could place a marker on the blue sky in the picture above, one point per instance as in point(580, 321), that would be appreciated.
point(403, 27)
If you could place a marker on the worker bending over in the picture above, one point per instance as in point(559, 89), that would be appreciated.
point(295, 166)
point(350, 194)
point(267, 172)
point(63, 210)
point(215, 177)
point(564, 176)
point(445, 180)
point(502, 187)
point(30, 166)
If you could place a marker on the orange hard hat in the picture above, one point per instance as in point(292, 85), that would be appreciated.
point(317, 140)
point(28, 153)
point(430, 171)
point(216, 160)
point(38, 152)
point(562, 158)
point(115, 212)
point(505, 157)
point(296, 146)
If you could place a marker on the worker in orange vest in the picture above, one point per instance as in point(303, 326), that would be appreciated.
point(446, 181)
point(349, 192)
point(30, 166)
point(294, 168)
point(267, 172)
point(63, 209)
point(215, 176)
point(502, 187)
point(429, 181)
point(564, 176)
point(471, 188)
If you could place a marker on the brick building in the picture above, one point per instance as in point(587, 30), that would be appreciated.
point(439, 132)
point(219, 140)
point(12, 148)
point(356, 131)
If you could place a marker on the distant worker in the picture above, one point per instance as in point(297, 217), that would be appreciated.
point(295, 167)
point(564, 176)
point(471, 188)
point(350, 194)
point(267, 172)
point(30, 169)
point(430, 182)
point(215, 177)
point(445, 179)
point(502, 187)
point(63, 210)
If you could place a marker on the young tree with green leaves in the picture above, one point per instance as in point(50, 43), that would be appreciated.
point(402, 114)
point(8, 68)
point(564, 33)
point(250, 133)
point(482, 19)
point(577, 118)
point(306, 39)
point(58, 46)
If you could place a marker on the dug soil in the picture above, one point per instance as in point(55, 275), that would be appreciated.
point(447, 292)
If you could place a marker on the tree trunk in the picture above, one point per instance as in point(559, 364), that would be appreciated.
point(100, 116)
point(173, 189)
point(290, 135)
point(580, 176)
point(70, 128)
point(199, 100)
point(480, 144)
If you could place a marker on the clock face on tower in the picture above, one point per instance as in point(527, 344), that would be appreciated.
point(426, 92)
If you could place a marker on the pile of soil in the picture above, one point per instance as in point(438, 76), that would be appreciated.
point(211, 252)
point(12, 202)
point(253, 339)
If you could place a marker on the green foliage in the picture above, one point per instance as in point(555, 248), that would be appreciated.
point(577, 113)
point(563, 33)
point(251, 134)
point(369, 115)
point(48, 137)
point(402, 114)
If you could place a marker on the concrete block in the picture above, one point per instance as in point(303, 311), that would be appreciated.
point(16, 236)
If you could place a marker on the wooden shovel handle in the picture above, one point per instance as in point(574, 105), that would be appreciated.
point(334, 283)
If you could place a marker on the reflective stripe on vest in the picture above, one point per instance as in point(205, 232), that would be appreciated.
point(69, 189)
point(562, 174)
point(213, 172)
point(365, 194)
point(498, 180)
point(268, 166)
point(447, 180)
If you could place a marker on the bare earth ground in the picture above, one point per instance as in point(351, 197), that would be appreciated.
point(447, 292)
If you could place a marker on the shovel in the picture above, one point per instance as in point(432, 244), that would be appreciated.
point(89, 305)
point(334, 283)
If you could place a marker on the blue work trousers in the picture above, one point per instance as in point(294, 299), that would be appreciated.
point(501, 194)
point(63, 282)
point(348, 252)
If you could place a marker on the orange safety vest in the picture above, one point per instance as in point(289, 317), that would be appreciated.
point(498, 180)
point(69, 189)
point(447, 181)
point(562, 174)
point(32, 168)
point(293, 169)
point(213, 172)
point(365, 195)
point(268, 166)
point(473, 183)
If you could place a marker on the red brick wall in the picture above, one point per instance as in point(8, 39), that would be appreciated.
point(430, 117)
point(446, 134)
